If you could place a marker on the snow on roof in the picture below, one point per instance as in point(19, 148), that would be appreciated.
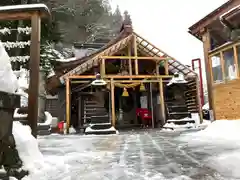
point(67, 59)
point(25, 7)
point(231, 10)
point(177, 80)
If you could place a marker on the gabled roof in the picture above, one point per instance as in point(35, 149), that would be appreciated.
point(142, 44)
point(153, 51)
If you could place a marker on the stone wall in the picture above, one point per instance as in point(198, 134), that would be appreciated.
point(227, 100)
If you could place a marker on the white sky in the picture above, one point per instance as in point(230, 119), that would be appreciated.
point(165, 23)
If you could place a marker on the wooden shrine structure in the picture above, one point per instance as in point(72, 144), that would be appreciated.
point(33, 12)
point(220, 33)
point(127, 61)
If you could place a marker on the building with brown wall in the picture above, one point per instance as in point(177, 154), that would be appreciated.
point(220, 33)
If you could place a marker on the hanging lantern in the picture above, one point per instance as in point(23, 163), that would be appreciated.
point(142, 87)
point(98, 81)
point(125, 93)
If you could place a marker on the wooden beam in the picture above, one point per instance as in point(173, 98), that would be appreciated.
point(23, 12)
point(34, 73)
point(136, 58)
point(113, 115)
point(208, 67)
point(235, 53)
point(129, 59)
point(161, 99)
point(120, 76)
point(102, 68)
point(143, 39)
point(135, 54)
point(68, 103)
point(223, 47)
point(119, 81)
point(151, 104)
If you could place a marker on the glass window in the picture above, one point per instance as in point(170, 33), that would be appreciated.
point(216, 68)
point(229, 65)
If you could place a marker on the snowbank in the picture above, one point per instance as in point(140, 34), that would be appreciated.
point(221, 130)
point(33, 160)
point(48, 119)
point(227, 163)
point(177, 80)
point(223, 137)
point(8, 79)
point(187, 123)
point(206, 106)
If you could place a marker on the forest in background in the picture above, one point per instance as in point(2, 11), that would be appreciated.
point(72, 21)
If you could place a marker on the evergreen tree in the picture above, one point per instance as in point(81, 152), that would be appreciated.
point(74, 20)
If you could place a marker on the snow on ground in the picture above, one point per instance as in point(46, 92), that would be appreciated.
point(212, 153)
point(40, 168)
point(222, 134)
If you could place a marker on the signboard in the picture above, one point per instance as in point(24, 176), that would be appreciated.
point(215, 61)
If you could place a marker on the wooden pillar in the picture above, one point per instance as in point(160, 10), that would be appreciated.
point(68, 104)
point(151, 104)
point(102, 68)
point(208, 68)
point(113, 104)
point(34, 73)
point(130, 60)
point(161, 99)
point(135, 54)
point(236, 60)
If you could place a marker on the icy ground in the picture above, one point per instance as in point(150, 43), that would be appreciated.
point(140, 155)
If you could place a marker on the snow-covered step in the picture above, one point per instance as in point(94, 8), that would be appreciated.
point(181, 121)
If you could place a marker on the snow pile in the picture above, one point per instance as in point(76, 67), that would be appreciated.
point(186, 123)
point(17, 115)
point(33, 160)
point(8, 79)
point(227, 163)
point(221, 129)
point(175, 126)
point(178, 79)
point(223, 138)
point(48, 119)
point(22, 86)
point(206, 106)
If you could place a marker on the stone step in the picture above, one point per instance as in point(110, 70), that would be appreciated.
point(95, 109)
point(44, 132)
point(100, 119)
point(177, 108)
point(95, 114)
point(93, 106)
point(181, 121)
point(179, 113)
point(91, 102)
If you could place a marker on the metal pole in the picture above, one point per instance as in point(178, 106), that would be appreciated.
point(151, 99)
